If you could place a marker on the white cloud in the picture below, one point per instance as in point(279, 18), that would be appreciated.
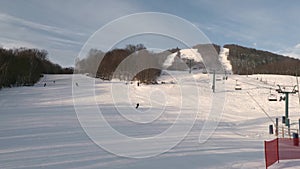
point(11, 43)
point(292, 51)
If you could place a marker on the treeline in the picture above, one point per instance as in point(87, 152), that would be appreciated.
point(251, 61)
point(24, 67)
point(134, 62)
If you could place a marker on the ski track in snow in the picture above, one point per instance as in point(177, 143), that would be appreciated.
point(39, 126)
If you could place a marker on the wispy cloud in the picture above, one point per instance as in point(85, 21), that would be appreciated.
point(292, 51)
point(60, 27)
point(271, 27)
point(58, 41)
point(15, 21)
point(9, 43)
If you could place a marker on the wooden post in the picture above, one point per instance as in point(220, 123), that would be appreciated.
point(276, 127)
point(289, 128)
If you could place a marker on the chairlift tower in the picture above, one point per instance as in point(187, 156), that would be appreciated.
point(286, 92)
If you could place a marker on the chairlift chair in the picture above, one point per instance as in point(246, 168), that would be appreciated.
point(272, 97)
point(237, 86)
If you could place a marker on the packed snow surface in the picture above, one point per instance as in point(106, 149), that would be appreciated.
point(39, 126)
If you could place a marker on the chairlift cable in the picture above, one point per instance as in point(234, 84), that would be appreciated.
point(261, 108)
point(258, 86)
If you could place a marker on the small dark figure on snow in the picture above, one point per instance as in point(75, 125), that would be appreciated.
point(138, 83)
point(45, 84)
point(77, 84)
point(137, 105)
point(53, 81)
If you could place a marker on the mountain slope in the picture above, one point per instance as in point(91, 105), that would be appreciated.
point(40, 129)
point(251, 61)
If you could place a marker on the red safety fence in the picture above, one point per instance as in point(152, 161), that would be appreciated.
point(288, 149)
point(281, 149)
point(271, 152)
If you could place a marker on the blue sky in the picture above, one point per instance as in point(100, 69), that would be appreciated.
point(62, 27)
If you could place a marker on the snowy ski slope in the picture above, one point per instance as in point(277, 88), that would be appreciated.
point(39, 126)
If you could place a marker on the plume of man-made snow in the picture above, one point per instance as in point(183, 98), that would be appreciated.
point(223, 59)
point(191, 54)
point(169, 61)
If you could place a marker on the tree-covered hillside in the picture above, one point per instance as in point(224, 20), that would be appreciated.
point(24, 67)
point(252, 61)
point(131, 63)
